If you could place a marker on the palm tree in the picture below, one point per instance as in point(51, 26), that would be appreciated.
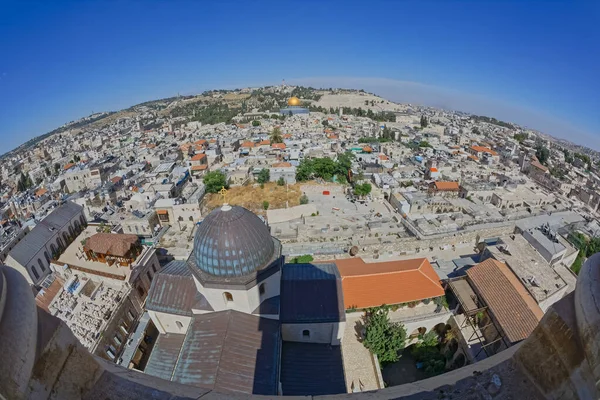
point(276, 135)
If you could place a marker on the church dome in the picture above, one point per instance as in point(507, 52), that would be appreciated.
point(232, 241)
point(294, 101)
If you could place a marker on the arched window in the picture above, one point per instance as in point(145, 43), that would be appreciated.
point(41, 264)
point(53, 248)
point(228, 297)
point(35, 273)
point(261, 289)
point(179, 325)
point(191, 218)
point(306, 333)
point(47, 257)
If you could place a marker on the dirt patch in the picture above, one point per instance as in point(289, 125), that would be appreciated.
point(252, 197)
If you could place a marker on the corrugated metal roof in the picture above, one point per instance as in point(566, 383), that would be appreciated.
point(164, 355)
point(173, 290)
point(311, 369)
point(36, 240)
point(311, 293)
point(230, 351)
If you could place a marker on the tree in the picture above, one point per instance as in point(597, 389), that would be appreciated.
point(276, 135)
point(305, 259)
point(47, 171)
point(542, 153)
point(280, 181)
point(76, 158)
point(263, 176)
point(304, 199)
point(56, 168)
point(424, 121)
point(427, 352)
point(362, 189)
point(325, 123)
point(383, 337)
point(215, 181)
point(265, 205)
point(255, 123)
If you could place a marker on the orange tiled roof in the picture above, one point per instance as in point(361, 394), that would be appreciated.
point(481, 149)
point(392, 282)
point(287, 136)
point(116, 179)
point(282, 165)
point(198, 157)
point(278, 146)
point(41, 192)
point(69, 165)
point(433, 169)
point(383, 157)
point(367, 149)
point(264, 143)
point(513, 307)
point(248, 144)
point(199, 167)
point(446, 185)
point(474, 158)
point(201, 142)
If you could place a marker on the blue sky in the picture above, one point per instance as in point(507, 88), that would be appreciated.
point(535, 62)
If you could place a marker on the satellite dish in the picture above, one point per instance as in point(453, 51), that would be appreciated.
point(353, 251)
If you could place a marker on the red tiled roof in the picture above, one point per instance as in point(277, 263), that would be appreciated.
point(537, 165)
point(433, 169)
point(198, 157)
point(199, 167)
point(449, 186)
point(116, 179)
point(201, 142)
point(69, 165)
point(481, 149)
point(41, 192)
point(392, 282)
point(248, 144)
point(278, 146)
point(264, 143)
point(367, 149)
point(282, 165)
point(508, 300)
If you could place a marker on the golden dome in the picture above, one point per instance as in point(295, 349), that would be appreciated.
point(294, 101)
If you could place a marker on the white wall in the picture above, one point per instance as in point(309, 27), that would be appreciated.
point(327, 332)
point(167, 323)
point(243, 300)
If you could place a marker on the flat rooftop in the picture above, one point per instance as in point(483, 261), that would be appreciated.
point(75, 257)
point(527, 263)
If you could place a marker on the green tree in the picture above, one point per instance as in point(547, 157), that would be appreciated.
point(305, 259)
point(76, 158)
point(47, 171)
point(215, 181)
point(265, 205)
point(255, 123)
point(325, 123)
point(424, 121)
point(424, 143)
point(276, 135)
point(542, 153)
point(56, 168)
point(304, 199)
point(280, 181)
point(382, 337)
point(362, 189)
point(263, 176)
point(305, 171)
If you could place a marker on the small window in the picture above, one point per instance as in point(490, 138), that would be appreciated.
point(35, 273)
point(306, 333)
point(154, 268)
point(191, 218)
point(179, 325)
point(149, 276)
point(261, 289)
point(130, 315)
point(228, 297)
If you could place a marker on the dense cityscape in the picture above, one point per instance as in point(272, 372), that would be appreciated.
point(287, 240)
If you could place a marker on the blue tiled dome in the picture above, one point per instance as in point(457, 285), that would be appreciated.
point(232, 241)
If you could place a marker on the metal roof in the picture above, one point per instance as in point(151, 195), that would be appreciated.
point(230, 351)
point(311, 293)
point(232, 241)
point(164, 355)
point(173, 290)
point(44, 231)
point(311, 369)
